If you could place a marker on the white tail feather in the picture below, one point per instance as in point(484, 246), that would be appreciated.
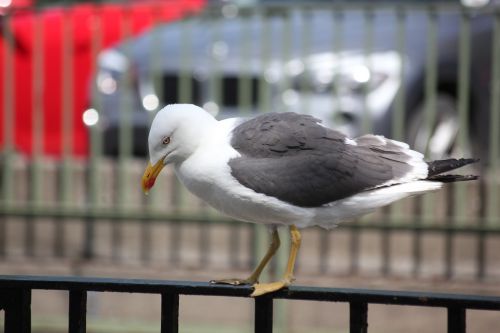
point(365, 202)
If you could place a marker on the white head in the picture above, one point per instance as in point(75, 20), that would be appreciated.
point(176, 132)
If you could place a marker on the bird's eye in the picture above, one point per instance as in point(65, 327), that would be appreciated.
point(166, 140)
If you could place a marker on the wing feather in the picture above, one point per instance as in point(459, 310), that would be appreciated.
point(295, 159)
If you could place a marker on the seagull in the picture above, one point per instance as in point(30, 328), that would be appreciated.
point(286, 169)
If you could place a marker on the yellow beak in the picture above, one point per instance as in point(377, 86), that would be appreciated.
point(150, 174)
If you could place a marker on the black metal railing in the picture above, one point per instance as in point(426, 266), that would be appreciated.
point(15, 300)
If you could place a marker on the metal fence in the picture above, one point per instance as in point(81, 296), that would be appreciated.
point(58, 200)
point(15, 300)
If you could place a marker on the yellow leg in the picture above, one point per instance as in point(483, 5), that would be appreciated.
point(254, 277)
point(264, 288)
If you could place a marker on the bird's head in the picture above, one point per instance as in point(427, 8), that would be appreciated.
point(175, 134)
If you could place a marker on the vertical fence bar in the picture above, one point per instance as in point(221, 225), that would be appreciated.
point(154, 71)
point(263, 322)
point(481, 252)
point(77, 315)
point(337, 39)
point(425, 204)
point(245, 86)
point(354, 249)
point(125, 137)
point(67, 83)
point(431, 72)
point(463, 108)
point(452, 191)
point(337, 20)
point(305, 51)
point(456, 320)
point(145, 241)
point(463, 93)
point(169, 313)
point(264, 91)
point(358, 317)
point(367, 121)
point(251, 262)
point(397, 131)
point(190, 92)
point(448, 240)
point(65, 174)
point(286, 55)
point(464, 82)
point(154, 90)
point(324, 251)
point(398, 116)
point(489, 186)
point(37, 133)
point(259, 234)
point(185, 93)
point(95, 149)
point(8, 127)
point(244, 92)
point(64, 169)
point(385, 237)
point(218, 53)
point(9, 121)
point(417, 236)
point(37, 102)
point(492, 207)
point(156, 61)
point(234, 246)
point(262, 234)
point(17, 311)
point(174, 245)
point(179, 194)
point(204, 246)
point(29, 222)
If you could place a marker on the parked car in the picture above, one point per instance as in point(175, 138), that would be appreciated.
point(232, 62)
point(61, 83)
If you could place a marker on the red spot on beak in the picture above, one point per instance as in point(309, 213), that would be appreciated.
point(150, 175)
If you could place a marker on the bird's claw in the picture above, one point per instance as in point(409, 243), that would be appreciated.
point(234, 282)
point(266, 288)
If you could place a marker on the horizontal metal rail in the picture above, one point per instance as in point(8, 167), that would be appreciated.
point(15, 300)
point(136, 215)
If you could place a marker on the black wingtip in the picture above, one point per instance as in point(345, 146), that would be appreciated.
point(440, 166)
point(437, 168)
point(452, 178)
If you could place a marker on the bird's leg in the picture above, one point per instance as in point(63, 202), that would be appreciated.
point(254, 277)
point(264, 288)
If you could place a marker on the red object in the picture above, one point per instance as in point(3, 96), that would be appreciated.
point(76, 29)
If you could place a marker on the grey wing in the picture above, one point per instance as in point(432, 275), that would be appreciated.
point(293, 158)
point(281, 134)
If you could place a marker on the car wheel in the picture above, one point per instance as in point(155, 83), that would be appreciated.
point(441, 140)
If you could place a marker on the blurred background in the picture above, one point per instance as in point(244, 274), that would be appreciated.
point(80, 82)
